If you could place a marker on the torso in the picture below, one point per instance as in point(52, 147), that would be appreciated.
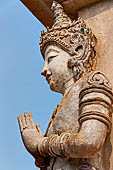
point(65, 119)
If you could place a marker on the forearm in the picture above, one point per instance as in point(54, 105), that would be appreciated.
point(85, 144)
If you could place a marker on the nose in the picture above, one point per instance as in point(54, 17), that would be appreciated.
point(44, 70)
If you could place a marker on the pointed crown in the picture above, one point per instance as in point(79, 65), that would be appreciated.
point(67, 34)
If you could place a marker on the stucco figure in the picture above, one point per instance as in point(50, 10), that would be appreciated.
point(77, 136)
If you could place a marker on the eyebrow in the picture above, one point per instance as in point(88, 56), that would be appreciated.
point(52, 50)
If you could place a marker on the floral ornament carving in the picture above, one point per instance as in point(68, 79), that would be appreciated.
point(98, 78)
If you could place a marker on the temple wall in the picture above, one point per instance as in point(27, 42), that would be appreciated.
point(100, 18)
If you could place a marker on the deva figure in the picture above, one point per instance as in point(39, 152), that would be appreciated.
point(77, 136)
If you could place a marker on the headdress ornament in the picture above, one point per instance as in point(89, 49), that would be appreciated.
point(72, 36)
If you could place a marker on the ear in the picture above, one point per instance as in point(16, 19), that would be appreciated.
point(71, 62)
point(77, 67)
point(78, 70)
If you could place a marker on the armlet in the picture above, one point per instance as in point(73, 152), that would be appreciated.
point(95, 99)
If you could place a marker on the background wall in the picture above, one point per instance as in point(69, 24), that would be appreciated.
point(100, 18)
point(22, 88)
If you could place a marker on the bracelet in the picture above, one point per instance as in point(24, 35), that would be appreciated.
point(48, 145)
point(53, 143)
point(61, 143)
point(42, 147)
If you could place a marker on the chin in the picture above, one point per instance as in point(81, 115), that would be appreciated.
point(54, 87)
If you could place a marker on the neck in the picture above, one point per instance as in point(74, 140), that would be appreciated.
point(68, 85)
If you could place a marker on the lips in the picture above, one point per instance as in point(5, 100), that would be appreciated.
point(48, 79)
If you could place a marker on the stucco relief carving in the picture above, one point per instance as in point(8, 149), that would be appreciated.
point(98, 78)
point(81, 123)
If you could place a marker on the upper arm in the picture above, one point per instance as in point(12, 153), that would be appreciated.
point(95, 113)
point(96, 100)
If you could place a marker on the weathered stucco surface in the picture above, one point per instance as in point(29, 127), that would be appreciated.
point(100, 18)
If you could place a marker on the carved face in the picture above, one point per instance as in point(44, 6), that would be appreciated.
point(56, 69)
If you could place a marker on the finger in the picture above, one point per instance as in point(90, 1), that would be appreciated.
point(21, 122)
point(27, 120)
point(32, 121)
point(39, 130)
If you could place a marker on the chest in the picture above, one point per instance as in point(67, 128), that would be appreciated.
point(66, 114)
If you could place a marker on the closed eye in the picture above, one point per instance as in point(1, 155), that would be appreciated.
point(51, 57)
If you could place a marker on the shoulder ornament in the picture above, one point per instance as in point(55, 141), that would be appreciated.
point(98, 78)
point(96, 99)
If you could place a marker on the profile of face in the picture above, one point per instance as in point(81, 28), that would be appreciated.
point(56, 68)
